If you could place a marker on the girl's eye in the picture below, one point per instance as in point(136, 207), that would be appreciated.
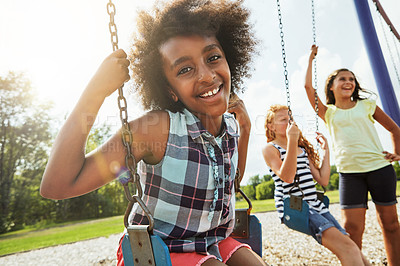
point(184, 70)
point(213, 58)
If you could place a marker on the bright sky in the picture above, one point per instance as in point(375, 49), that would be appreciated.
point(60, 44)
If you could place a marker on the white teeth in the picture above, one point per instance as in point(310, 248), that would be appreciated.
point(210, 93)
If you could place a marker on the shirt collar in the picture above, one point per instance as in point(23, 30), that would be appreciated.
point(196, 129)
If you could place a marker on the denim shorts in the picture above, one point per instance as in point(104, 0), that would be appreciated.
point(320, 222)
point(354, 187)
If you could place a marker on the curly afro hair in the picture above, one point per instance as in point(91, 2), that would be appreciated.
point(227, 20)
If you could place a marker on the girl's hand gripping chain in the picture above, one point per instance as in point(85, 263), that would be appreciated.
point(314, 52)
point(111, 74)
point(322, 141)
point(237, 107)
point(292, 132)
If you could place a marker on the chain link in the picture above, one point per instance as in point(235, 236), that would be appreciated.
point(111, 25)
point(127, 138)
point(285, 71)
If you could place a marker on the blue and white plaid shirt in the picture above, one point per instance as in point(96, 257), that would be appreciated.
point(191, 191)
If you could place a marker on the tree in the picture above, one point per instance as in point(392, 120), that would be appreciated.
point(396, 167)
point(333, 169)
point(24, 142)
point(254, 181)
point(103, 202)
point(250, 191)
point(334, 182)
point(265, 190)
point(267, 178)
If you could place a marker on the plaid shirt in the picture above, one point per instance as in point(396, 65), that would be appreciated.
point(191, 191)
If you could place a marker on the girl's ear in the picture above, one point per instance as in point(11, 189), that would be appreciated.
point(173, 95)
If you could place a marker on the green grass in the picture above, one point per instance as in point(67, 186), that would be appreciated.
point(29, 239)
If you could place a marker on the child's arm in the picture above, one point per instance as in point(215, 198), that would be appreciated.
point(69, 172)
point(394, 131)
point(286, 169)
point(237, 106)
point(309, 87)
point(322, 175)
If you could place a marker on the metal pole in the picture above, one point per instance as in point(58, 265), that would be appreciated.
point(381, 74)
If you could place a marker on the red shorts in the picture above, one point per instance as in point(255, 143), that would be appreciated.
point(227, 247)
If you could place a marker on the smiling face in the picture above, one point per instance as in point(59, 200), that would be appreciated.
point(198, 75)
point(343, 85)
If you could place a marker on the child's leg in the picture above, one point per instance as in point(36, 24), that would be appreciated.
point(328, 232)
point(389, 222)
point(235, 253)
point(343, 247)
point(245, 256)
point(212, 262)
point(382, 185)
point(353, 191)
point(242, 256)
point(354, 223)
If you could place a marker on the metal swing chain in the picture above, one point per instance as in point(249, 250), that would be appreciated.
point(315, 66)
point(127, 138)
point(388, 46)
point(285, 72)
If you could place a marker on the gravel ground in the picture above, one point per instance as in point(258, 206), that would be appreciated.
point(282, 246)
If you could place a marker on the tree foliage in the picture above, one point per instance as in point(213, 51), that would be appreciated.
point(26, 135)
point(396, 167)
point(265, 190)
point(106, 201)
point(24, 141)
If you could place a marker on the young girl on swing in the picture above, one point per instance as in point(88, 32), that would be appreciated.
point(362, 163)
point(186, 60)
point(288, 154)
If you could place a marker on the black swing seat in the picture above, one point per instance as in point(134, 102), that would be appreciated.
point(296, 212)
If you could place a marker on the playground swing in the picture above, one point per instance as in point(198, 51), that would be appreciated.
point(295, 209)
point(139, 245)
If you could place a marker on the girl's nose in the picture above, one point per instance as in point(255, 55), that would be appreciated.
point(206, 74)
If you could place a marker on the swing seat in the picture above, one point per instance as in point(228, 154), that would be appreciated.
point(296, 213)
point(250, 233)
point(160, 251)
point(251, 236)
point(248, 230)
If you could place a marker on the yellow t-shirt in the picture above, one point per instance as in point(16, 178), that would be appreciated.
point(355, 142)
